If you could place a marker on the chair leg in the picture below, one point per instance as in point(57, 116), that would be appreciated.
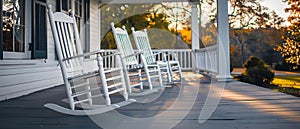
point(141, 80)
point(71, 102)
point(180, 73)
point(103, 79)
point(169, 74)
point(89, 95)
point(148, 78)
point(159, 77)
point(125, 94)
point(127, 81)
point(70, 98)
point(106, 95)
point(104, 85)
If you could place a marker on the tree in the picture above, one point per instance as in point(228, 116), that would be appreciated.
point(141, 16)
point(276, 20)
point(252, 28)
point(248, 13)
point(290, 49)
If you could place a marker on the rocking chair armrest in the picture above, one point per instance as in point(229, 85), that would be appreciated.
point(89, 54)
point(82, 55)
point(134, 54)
point(112, 54)
point(157, 53)
point(74, 57)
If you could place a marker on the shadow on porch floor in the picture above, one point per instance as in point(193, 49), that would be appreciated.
point(232, 104)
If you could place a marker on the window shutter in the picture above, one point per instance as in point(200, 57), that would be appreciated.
point(39, 24)
point(58, 4)
point(86, 16)
point(1, 32)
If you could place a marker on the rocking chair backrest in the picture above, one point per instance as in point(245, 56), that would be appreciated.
point(67, 42)
point(142, 43)
point(124, 44)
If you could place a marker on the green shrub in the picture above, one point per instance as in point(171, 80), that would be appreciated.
point(253, 62)
point(256, 72)
point(260, 75)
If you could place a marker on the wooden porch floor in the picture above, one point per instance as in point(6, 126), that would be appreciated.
point(242, 106)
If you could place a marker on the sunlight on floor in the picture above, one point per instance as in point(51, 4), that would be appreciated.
point(261, 105)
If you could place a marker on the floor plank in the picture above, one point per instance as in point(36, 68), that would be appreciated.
point(242, 106)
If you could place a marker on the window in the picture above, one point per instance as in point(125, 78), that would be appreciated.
point(23, 29)
point(1, 32)
point(68, 5)
point(81, 9)
point(63, 5)
point(13, 25)
point(86, 22)
point(78, 13)
point(39, 27)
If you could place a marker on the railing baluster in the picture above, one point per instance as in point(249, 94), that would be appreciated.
point(207, 59)
point(184, 56)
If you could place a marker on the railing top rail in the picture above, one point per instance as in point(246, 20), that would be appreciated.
point(214, 47)
point(104, 50)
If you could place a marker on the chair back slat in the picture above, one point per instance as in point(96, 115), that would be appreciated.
point(142, 43)
point(173, 67)
point(67, 43)
point(85, 79)
point(124, 45)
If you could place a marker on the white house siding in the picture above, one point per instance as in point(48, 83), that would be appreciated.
point(21, 77)
point(17, 80)
point(94, 26)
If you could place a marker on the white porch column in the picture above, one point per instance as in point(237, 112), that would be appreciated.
point(223, 54)
point(195, 33)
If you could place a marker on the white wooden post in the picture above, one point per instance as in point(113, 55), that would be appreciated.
point(99, 26)
point(195, 34)
point(223, 54)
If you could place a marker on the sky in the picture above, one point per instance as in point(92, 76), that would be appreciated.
point(278, 6)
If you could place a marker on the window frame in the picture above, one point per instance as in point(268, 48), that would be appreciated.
point(83, 23)
point(1, 32)
point(59, 6)
point(27, 36)
point(37, 53)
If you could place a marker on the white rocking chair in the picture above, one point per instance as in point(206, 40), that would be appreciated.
point(172, 69)
point(142, 43)
point(133, 67)
point(84, 98)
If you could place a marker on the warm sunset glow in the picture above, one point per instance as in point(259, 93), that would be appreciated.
point(260, 105)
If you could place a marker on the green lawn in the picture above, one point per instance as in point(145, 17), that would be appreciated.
point(285, 84)
point(287, 81)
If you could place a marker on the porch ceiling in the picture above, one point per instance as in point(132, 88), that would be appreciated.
point(141, 1)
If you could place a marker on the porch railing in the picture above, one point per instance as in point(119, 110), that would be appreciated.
point(184, 56)
point(206, 59)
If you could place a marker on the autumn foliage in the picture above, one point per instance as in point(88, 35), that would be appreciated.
point(290, 49)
